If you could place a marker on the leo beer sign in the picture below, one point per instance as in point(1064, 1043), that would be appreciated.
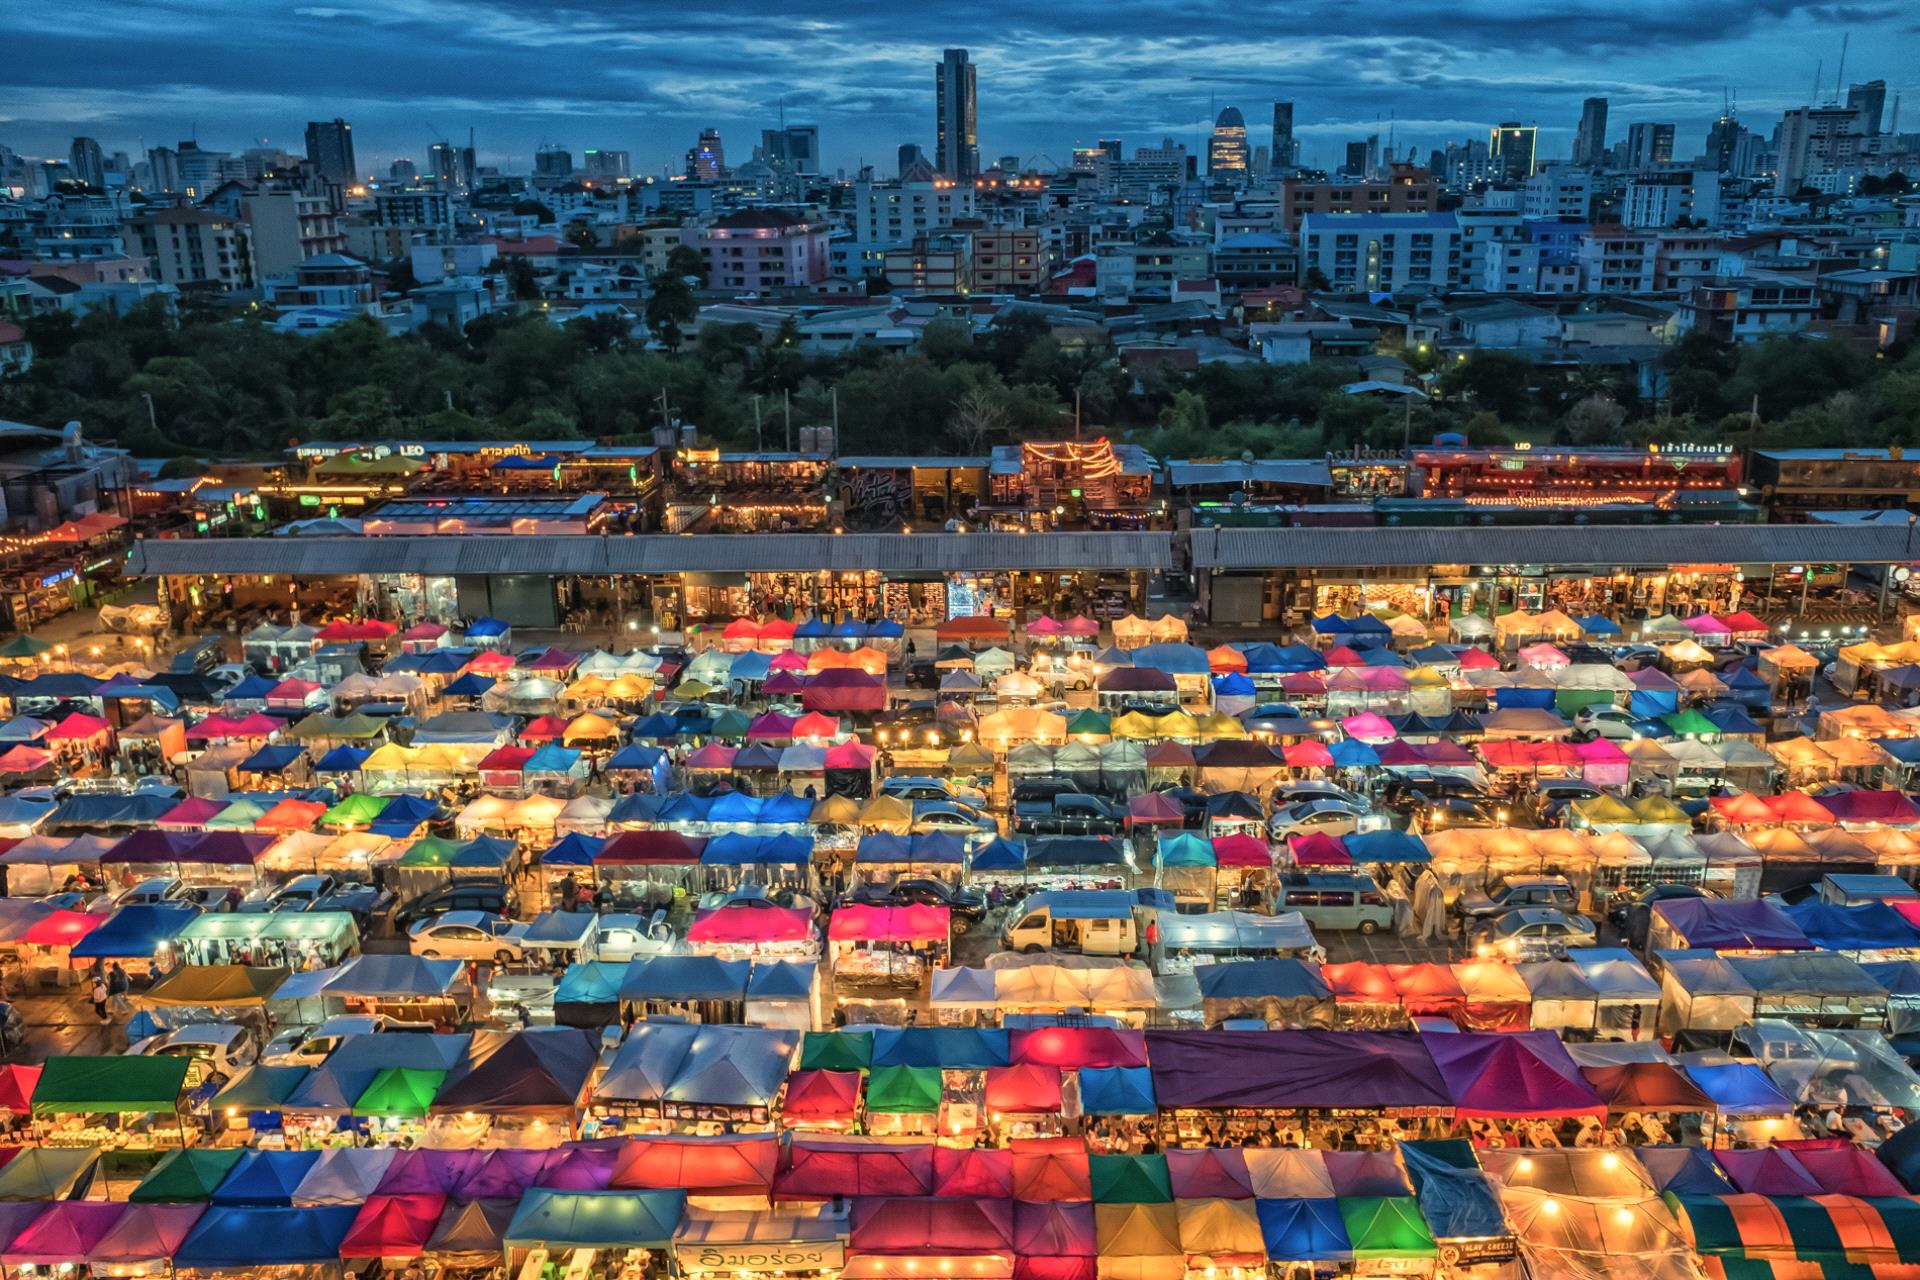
point(811, 1255)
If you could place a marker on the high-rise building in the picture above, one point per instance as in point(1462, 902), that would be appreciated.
point(1590, 139)
point(163, 169)
point(1510, 146)
point(1356, 163)
point(957, 117)
point(1227, 154)
point(1723, 137)
point(607, 166)
point(1280, 156)
point(451, 165)
point(403, 170)
point(552, 160)
point(1815, 140)
point(1870, 100)
point(88, 162)
point(793, 148)
point(707, 158)
point(911, 160)
point(330, 149)
point(1649, 146)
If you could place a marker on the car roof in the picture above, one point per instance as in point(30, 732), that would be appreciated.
point(346, 1024)
point(1331, 879)
point(474, 918)
point(1534, 915)
point(206, 1033)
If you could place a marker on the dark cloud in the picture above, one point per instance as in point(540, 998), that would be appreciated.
point(647, 76)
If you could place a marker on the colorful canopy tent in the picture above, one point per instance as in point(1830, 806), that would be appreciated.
point(1524, 1073)
point(393, 1226)
point(109, 1086)
point(559, 1220)
point(145, 1234)
point(66, 1233)
point(265, 1177)
point(821, 1168)
point(188, 1176)
point(1306, 1068)
point(235, 1237)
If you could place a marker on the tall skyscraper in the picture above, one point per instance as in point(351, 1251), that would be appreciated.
point(607, 166)
point(1590, 139)
point(707, 159)
point(1356, 164)
point(330, 150)
point(1723, 138)
point(957, 117)
point(1280, 156)
point(1511, 148)
point(912, 160)
point(1649, 146)
point(1227, 153)
point(1870, 100)
point(88, 162)
point(794, 148)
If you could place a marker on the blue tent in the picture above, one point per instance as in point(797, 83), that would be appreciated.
point(343, 760)
point(1598, 625)
point(784, 808)
point(1257, 979)
point(685, 978)
point(1901, 1155)
point(1351, 753)
point(135, 933)
point(1382, 658)
point(443, 662)
point(594, 982)
point(141, 809)
point(1000, 854)
point(1686, 1170)
point(1386, 846)
point(266, 1177)
point(751, 665)
point(813, 629)
point(1332, 625)
point(886, 629)
point(1277, 660)
point(480, 853)
point(251, 689)
point(1185, 849)
point(781, 980)
point(733, 849)
point(734, 807)
point(1369, 630)
point(958, 1048)
point(1455, 1197)
point(553, 758)
point(1739, 1089)
point(470, 685)
point(402, 815)
point(272, 758)
point(636, 756)
point(561, 1220)
point(1232, 685)
point(1303, 1230)
point(849, 629)
point(1075, 851)
point(657, 727)
point(1870, 926)
point(687, 807)
point(1503, 699)
point(1118, 1091)
point(1729, 717)
point(1173, 659)
point(486, 629)
point(234, 1237)
point(573, 850)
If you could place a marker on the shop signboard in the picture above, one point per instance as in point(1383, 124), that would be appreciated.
point(757, 1256)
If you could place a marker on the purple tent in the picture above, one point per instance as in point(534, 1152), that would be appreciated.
point(578, 1168)
point(1315, 1069)
point(425, 1171)
point(505, 1174)
point(1136, 680)
point(228, 848)
point(1512, 1073)
point(150, 846)
point(1725, 924)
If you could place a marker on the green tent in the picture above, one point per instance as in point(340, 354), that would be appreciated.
point(241, 815)
point(1386, 1227)
point(1091, 723)
point(109, 1085)
point(904, 1091)
point(23, 647)
point(1131, 1179)
point(187, 1177)
point(357, 810)
point(836, 1051)
point(731, 724)
point(433, 852)
point(46, 1173)
point(194, 985)
point(1691, 724)
point(259, 1089)
point(399, 1091)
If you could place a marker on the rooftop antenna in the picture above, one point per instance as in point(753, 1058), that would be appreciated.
point(1840, 76)
point(1819, 74)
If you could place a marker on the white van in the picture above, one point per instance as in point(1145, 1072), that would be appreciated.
point(1094, 922)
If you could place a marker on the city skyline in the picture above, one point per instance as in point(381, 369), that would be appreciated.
point(525, 76)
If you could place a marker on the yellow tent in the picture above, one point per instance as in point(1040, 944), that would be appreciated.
point(1659, 809)
point(1686, 651)
point(1139, 1242)
point(835, 811)
point(1218, 726)
point(587, 689)
point(1219, 1229)
point(629, 686)
point(388, 757)
point(590, 727)
point(1167, 630)
point(1022, 724)
point(887, 811)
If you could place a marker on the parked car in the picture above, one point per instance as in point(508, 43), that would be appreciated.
point(361, 901)
point(1513, 893)
point(951, 815)
point(489, 896)
point(468, 935)
point(1548, 800)
point(212, 897)
point(1335, 901)
point(212, 1048)
point(1042, 788)
point(1606, 722)
point(1312, 789)
point(1533, 933)
point(1446, 813)
point(623, 936)
point(308, 1046)
point(1632, 913)
point(1315, 817)
point(151, 893)
point(910, 788)
point(968, 906)
point(1070, 815)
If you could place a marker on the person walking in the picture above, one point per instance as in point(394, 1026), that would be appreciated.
point(98, 994)
point(118, 985)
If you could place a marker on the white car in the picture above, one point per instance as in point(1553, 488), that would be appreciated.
point(951, 815)
point(151, 893)
point(1315, 817)
point(308, 1046)
point(223, 1048)
point(469, 935)
point(1292, 793)
point(623, 936)
point(1606, 722)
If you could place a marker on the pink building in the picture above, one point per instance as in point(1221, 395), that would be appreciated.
point(761, 249)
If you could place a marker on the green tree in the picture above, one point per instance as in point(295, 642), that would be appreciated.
point(686, 262)
point(670, 308)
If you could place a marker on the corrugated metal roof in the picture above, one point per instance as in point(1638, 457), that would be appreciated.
point(1304, 471)
point(657, 554)
point(1551, 544)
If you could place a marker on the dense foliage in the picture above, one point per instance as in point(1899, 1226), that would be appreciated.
point(221, 385)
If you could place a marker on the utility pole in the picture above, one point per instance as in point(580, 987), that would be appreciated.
point(759, 440)
point(786, 398)
point(1076, 415)
point(151, 421)
point(666, 420)
point(833, 394)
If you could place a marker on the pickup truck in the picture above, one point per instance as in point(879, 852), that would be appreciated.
point(1068, 815)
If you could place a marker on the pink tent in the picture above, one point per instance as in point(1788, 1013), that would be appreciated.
point(1472, 659)
point(1309, 684)
point(79, 728)
point(849, 755)
point(787, 660)
point(782, 682)
point(67, 1232)
point(1383, 679)
point(769, 725)
point(845, 690)
point(1446, 751)
point(1344, 656)
point(1400, 754)
point(1542, 655)
point(714, 755)
point(1369, 727)
point(1081, 625)
point(1045, 626)
point(1307, 754)
point(1705, 624)
point(751, 924)
point(1242, 851)
point(190, 814)
point(1319, 850)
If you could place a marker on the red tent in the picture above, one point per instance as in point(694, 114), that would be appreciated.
point(979, 1173)
point(1428, 990)
point(822, 1168)
point(1076, 1047)
point(1478, 660)
point(394, 1226)
point(544, 729)
point(506, 759)
point(1318, 850)
point(1797, 806)
point(1513, 1074)
point(1242, 851)
point(66, 1233)
point(291, 814)
point(915, 923)
point(1359, 982)
point(1048, 1231)
point(1028, 1088)
point(1743, 624)
point(1303, 684)
point(729, 1165)
point(649, 848)
point(1169, 755)
point(1209, 1173)
point(63, 928)
point(1309, 753)
point(17, 1083)
point(714, 755)
point(343, 630)
point(844, 689)
point(751, 923)
point(815, 725)
point(1343, 656)
point(1154, 809)
point(1051, 1169)
point(968, 629)
point(931, 1226)
point(191, 813)
point(741, 629)
point(849, 755)
point(490, 663)
point(24, 759)
point(823, 1097)
point(256, 725)
point(777, 629)
point(1744, 809)
point(79, 728)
